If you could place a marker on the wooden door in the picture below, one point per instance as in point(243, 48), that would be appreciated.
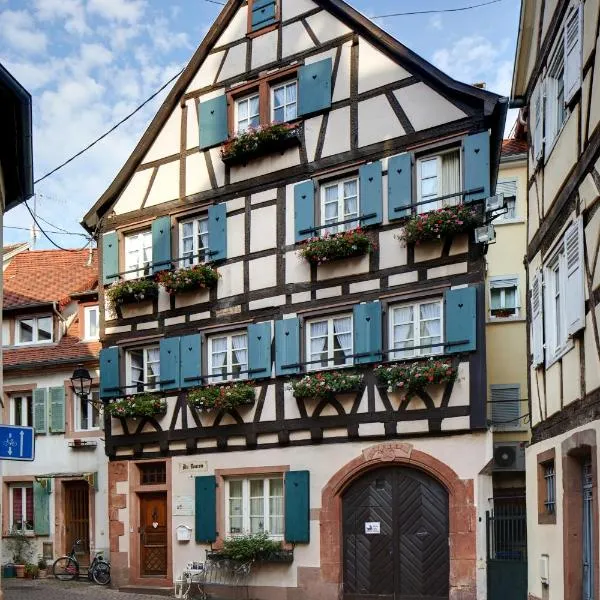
point(154, 535)
point(77, 518)
point(395, 524)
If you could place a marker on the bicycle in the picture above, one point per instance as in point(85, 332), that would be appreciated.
point(99, 571)
point(66, 568)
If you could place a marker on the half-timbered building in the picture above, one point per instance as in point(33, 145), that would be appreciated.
point(361, 442)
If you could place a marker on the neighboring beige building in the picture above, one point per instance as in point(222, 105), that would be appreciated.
point(557, 84)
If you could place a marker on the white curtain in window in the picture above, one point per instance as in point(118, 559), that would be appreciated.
point(240, 351)
point(276, 506)
point(451, 176)
point(342, 329)
point(257, 506)
point(318, 337)
point(404, 329)
point(219, 354)
point(430, 322)
point(153, 366)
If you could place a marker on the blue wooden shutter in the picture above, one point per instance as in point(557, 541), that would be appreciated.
point(56, 397)
point(400, 186)
point(259, 350)
point(460, 319)
point(264, 13)
point(304, 210)
point(212, 120)
point(476, 150)
point(287, 346)
point(371, 193)
point(191, 361)
point(41, 509)
point(206, 509)
point(314, 87)
point(297, 507)
point(40, 410)
point(169, 363)
point(110, 373)
point(217, 231)
point(367, 332)
point(161, 244)
point(110, 258)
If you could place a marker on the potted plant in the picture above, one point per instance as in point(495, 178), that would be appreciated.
point(43, 568)
point(252, 548)
point(138, 405)
point(126, 292)
point(19, 545)
point(189, 279)
point(330, 247)
point(223, 396)
point(31, 571)
point(326, 384)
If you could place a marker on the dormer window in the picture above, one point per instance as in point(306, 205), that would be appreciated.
point(90, 322)
point(34, 330)
point(262, 14)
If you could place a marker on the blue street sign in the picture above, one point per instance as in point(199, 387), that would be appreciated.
point(17, 443)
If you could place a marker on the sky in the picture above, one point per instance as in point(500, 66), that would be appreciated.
point(89, 63)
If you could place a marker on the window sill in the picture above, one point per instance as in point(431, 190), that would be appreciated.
point(253, 34)
point(515, 221)
point(498, 320)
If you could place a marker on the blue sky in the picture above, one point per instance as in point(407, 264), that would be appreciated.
point(88, 63)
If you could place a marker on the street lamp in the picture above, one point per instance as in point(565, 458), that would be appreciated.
point(81, 381)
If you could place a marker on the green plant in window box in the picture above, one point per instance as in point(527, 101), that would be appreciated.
point(138, 405)
point(189, 279)
point(412, 378)
point(329, 247)
point(127, 292)
point(222, 396)
point(252, 548)
point(326, 384)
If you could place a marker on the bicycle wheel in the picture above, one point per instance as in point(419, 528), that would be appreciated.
point(101, 573)
point(65, 568)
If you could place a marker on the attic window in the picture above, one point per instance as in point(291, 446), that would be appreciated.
point(263, 16)
point(34, 330)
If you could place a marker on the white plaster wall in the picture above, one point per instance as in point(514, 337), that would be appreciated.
point(337, 138)
point(236, 236)
point(377, 121)
point(166, 184)
point(168, 141)
point(263, 228)
point(312, 127)
point(193, 129)
point(261, 166)
point(235, 63)
point(196, 174)
point(133, 195)
point(237, 28)
point(341, 89)
point(295, 39)
point(326, 27)
point(264, 49)
point(207, 72)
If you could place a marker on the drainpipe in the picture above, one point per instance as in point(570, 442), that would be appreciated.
point(59, 315)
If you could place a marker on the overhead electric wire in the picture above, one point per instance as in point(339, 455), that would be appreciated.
point(55, 232)
point(441, 10)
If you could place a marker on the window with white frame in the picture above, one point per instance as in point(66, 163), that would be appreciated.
point(415, 325)
point(143, 369)
point(255, 505)
point(340, 202)
point(91, 317)
point(193, 241)
point(87, 413)
point(284, 102)
point(228, 357)
point(34, 330)
point(21, 507)
point(555, 280)
point(504, 297)
point(438, 176)
point(5, 333)
point(329, 342)
point(138, 254)
point(247, 113)
point(21, 410)
point(556, 110)
point(508, 187)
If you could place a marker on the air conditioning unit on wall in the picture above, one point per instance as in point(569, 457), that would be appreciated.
point(509, 456)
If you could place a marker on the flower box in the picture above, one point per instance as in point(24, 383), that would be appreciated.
point(189, 279)
point(260, 141)
point(440, 223)
point(328, 248)
point(127, 292)
point(412, 378)
point(138, 405)
point(326, 384)
point(222, 396)
point(251, 548)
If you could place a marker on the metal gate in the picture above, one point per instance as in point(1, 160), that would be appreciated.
point(507, 553)
point(588, 532)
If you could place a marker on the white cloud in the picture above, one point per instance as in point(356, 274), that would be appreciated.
point(69, 11)
point(436, 22)
point(19, 31)
point(129, 11)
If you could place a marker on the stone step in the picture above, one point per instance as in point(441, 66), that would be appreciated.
point(138, 589)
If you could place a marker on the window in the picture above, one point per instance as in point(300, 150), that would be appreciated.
point(340, 202)
point(504, 297)
point(87, 412)
point(34, 330)
point(550, 487)
point(438, 176)
point(261, 14)
point(228, 357)
point(556, 110)
point(21, 411)
point(413, 325)
point(247, 113)
point(255, 506)
point(138, 254)
point(508, 187)
point(555, 310)
point(91, 315)
point(193, 241)
point(284, 102)
point(506, 407)
point(329, 342)
point(21, 507)
point(5, 333)
point(143, 369)
point(154, 473)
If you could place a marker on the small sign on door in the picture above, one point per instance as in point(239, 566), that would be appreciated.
point(373, 528)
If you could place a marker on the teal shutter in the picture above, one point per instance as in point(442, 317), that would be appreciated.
point(460, 319)
point(476, 150)
point(217, 231)
point(400, 186)
point(304, 210)
point(191, 361)
point(212, 121)
point(40, 410)
point(169, 363)
point(206, 509)
point(314, 87)
point(41, 509)
point(110, 258)
point(297, 507)
point(371, 193)
point(367, 332)
point(110, 373)
point(264, 13)
point(161, 244)
point(287, 346)
point(259, 350)
point(57, 409)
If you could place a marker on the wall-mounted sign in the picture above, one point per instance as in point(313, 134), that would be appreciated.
point(183, 506)
point(373, 528)
point(192, 468)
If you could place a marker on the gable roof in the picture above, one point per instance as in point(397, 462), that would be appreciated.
point(514, 147)
point(493, 104)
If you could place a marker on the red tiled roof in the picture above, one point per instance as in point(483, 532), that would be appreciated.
point(40, 276)
point(512, 147)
